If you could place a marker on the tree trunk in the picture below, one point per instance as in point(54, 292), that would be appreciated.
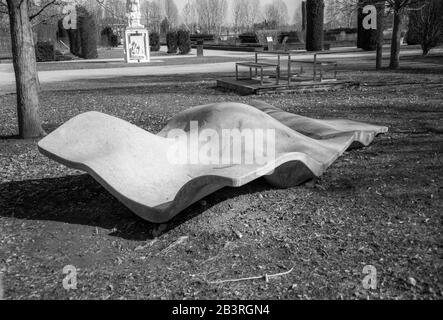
point(314, 25)
point(425, 49)
point(303, 15)
point(395, 43)
point(25, 67)
point(380, 38)
point(359, 23)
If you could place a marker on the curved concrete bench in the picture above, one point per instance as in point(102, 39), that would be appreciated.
point(135, 165)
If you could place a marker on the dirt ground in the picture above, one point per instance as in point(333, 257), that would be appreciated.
point(378, 206)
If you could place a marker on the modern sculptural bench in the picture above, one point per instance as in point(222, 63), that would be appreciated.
point(134, 165)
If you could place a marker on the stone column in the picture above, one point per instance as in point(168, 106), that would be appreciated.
point(136, 35)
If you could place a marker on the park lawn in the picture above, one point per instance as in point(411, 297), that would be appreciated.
point(380, 205)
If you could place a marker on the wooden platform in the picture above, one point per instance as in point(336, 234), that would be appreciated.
point(247, 87)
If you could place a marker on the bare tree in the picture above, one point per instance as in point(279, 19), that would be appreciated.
point(427, 24)
point(276, 13)
point(171, 12)
point(189, 14)
point(95, 8)
point(22, 13)
point(245, 13)
point(153, 15)
point(399, 9)
point(238, 14)
point(253, 13)
point(297, 18)
point(340, 13)
point(114, 10)
point(211, 14)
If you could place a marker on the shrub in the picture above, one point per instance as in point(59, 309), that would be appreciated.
point(293, 37)
point(426, 26)
point(75, 42)
point(183, 41)
point(44, 51)
point(83, 40)
point(109, 38)
point(171, 41)
point(59, 56)
point(164, 26)
point(346, 30)
point(248, 37)
point(88, 34)
point(412, 37)
point(154, 41)
point(105, 36)
point(61, 31)
point(262, 36)
point(114, 41)
point(200, 36)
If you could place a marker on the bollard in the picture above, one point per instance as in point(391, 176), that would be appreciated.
point(199, 48)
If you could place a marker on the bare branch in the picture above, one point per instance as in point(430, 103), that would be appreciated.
point(45, 19)
point(266, 277)
point(50, 3)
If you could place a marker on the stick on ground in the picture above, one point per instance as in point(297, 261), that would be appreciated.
point(266, 277)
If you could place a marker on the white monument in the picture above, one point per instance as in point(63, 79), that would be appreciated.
point(136, 35)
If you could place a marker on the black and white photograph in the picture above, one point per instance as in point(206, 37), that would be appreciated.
point(221, 156)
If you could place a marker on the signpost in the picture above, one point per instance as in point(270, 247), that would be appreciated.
point(136, 35)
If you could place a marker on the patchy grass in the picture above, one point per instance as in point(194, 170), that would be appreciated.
point(380, 205)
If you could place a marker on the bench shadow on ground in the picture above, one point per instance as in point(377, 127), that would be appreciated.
point(79, 199)
point(10, 137)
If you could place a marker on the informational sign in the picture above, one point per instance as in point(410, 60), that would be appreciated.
point(137, 45)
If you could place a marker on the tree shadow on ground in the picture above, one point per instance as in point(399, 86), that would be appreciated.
point(409, 64)
point(10, 137)
point(79, 199)
point(403, 69)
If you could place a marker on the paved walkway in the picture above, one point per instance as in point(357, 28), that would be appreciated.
point(7, 78)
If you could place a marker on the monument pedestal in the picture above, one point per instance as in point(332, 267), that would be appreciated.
point(136, 45)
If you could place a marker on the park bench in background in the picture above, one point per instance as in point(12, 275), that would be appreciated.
point(278, 53)
point(319, 67)
point(291, 72)
point(258, 66)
